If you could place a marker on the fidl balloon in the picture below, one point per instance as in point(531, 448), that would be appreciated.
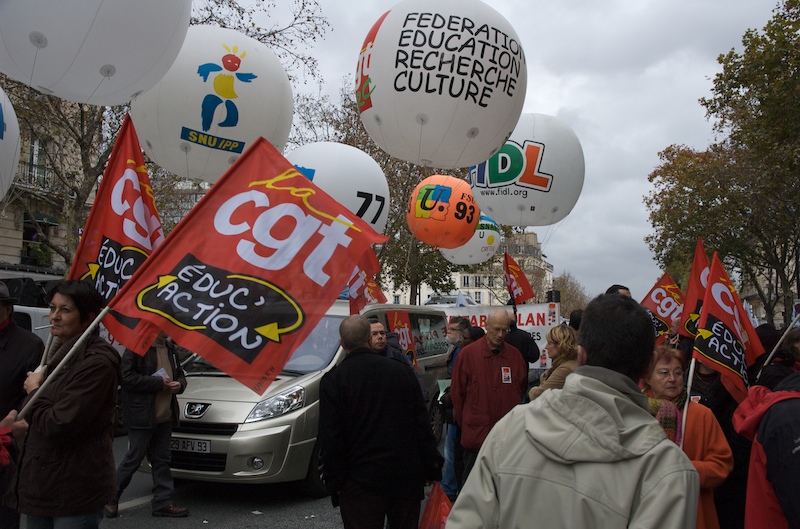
point(536, 178)
point(101, 52)
point(9, 144)
point(442, 212)
point(441, 84)
point(481, 247)
point(224, 90)
point(349, 175)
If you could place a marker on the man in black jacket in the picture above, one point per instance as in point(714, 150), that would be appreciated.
point(522, 340)
point(150, 408)
point(388, 344)
point(20, 352)
point(377, 446)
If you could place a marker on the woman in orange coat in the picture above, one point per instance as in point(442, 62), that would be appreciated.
point(703, 440)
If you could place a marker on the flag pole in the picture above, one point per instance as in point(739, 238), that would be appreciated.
point(84, 337)
point(774, 349)
point(688, 398)
point(47, 345)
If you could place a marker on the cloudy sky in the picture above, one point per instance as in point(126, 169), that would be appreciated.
point(626, 76)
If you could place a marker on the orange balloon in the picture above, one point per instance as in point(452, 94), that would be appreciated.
point(442, 211)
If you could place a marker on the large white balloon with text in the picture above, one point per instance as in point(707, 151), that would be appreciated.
point(349, 175)
point(9, 144)
point(441, 84)
point(480, 248)
point(224, 90)
point(537, 176)
point(101, 52)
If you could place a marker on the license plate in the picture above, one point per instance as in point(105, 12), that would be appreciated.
point(191, 445)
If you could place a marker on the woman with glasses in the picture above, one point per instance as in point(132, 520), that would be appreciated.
point(562, 348)
point(703, 440)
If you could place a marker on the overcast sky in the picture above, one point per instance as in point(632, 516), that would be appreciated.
point(626, 76)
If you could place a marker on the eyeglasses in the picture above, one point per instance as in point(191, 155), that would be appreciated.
point(665, 373)
point(378, 333)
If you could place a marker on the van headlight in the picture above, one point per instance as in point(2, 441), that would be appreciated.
point(277, 405)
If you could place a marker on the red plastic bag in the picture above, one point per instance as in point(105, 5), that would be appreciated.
point(436, 510)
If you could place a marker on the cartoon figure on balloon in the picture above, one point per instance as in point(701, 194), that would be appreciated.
point(223, 86)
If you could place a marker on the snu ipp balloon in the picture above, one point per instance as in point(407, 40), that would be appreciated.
point(224, 90)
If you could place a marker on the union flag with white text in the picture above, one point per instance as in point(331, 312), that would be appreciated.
point(726, 340)
point(400, 323)
point(248, 273)
point(695, 292)
point(665, 303)
point(518, 286)
point(363, 289)
point(123, 226)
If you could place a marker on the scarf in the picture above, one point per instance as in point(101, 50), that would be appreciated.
point(668, 414)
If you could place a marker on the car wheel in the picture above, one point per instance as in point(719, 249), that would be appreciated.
point(313, 485)
point(437, 419)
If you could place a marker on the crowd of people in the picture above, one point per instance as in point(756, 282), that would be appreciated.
point(613, 434)
point(609, 436)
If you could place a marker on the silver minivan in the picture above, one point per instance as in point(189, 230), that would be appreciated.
point(228, 433)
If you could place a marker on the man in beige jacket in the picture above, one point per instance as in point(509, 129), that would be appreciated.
point(590, 454)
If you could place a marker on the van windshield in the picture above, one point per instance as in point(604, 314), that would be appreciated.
point(315, 353)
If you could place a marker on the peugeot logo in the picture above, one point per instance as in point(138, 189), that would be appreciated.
point(195, 410)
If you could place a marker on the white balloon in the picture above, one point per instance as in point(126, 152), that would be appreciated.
point(224, 90)
point(101, 52)
point(536, 178)
point(9, 144)
point(441, 84)
point(480, 248)
point(349, 175)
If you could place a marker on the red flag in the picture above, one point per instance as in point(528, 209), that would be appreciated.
point(249, 272)
point(665, 303)
point(123, 226)
point(363, 289)
point(695, 292)
point(726, 340)
point(400, 323)
point(518, 286)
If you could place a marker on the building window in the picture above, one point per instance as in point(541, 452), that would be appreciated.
point(465, 281)
point(491, 281)
point(396, 299)
point(478, 297)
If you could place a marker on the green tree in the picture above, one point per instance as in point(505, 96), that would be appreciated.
point(741, 195)
point(80, 137)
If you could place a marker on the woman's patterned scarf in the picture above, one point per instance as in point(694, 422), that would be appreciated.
point(669, 415)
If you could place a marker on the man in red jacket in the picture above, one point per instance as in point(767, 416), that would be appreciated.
point(489, 378)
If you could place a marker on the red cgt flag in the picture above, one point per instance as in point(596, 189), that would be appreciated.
point(518, 286)
point(123, 226)
point(726, 340)
point(695, 292)
point(665, 303)
point(364, 290)
point(249, 272)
